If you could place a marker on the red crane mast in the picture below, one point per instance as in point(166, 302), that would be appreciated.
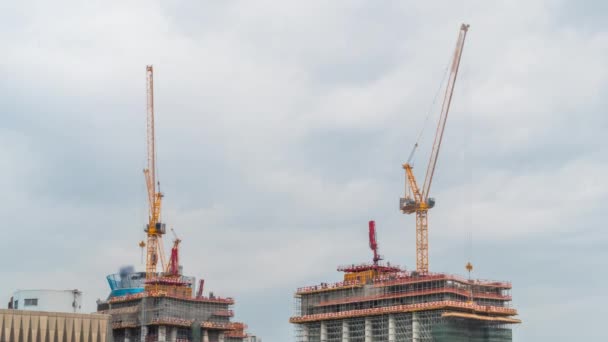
point(373, 243)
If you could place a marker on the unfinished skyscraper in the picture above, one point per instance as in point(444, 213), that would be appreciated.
point(384, 303)
point(168, 312)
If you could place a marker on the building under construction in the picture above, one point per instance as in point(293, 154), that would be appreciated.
point(385, 303)
point(159, 304)
point(165, 309)
point(379, 302)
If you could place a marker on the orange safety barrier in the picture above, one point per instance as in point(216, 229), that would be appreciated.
point(381, 267)
point(126, 297)
point(238, 330)
point(398, 278)
point(448, 304)
point(462, 292)
point(481, 318)
point(235, 334)
point(216, 325)
point(224, 325)
point(223, 313)
point(327, 287)
point(172, 321)
point(127, 310)
point(227, 300)
point(408, 278)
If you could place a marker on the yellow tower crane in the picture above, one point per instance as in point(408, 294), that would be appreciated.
point(416, 200)
point(155, 228)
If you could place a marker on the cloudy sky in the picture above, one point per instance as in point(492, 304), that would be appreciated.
point(281, 131)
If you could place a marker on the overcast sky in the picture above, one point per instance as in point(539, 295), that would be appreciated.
point(282, 127)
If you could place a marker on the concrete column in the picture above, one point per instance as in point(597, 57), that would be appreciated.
point(127, 335)
point(173, 334)
point(368, 329)
point(304, 332)
point(220, 337)
point(345, 337)
point(392, 336)
point(205, 336)
point(144, 333)
point(323, 331)
point(162, 333)
point(415, 328)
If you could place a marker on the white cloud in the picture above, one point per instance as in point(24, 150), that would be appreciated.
point(520, 202)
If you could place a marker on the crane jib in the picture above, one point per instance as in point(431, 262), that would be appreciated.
point(445, 108)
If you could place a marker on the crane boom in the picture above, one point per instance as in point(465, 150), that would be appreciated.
point(445, 108)
point(373, 242)
point(417, 200)
point(155, 229)
point(201, 286)
point(150, 170)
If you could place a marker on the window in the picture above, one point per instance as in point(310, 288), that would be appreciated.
point(31, 302)
point(16, 306)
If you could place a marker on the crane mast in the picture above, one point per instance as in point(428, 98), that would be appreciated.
point(373, 242)
point(417, 200)
point(154, 229)
point(173, 266)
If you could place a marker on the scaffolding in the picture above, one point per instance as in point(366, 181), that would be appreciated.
point(402, 277)
point(162, 316)
point(404, 306)
point(428, 326)
point(161, 307)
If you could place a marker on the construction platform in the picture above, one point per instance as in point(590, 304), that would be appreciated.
point(383, 303)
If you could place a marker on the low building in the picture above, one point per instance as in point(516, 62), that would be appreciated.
point(47, 300)
point(26, 325)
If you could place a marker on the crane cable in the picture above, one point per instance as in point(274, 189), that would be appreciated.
point(429, 112)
